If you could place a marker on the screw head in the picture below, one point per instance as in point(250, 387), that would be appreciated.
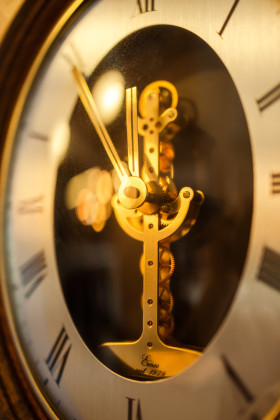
point(186, 194)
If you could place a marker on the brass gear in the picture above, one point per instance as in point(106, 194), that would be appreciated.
point(166, 263)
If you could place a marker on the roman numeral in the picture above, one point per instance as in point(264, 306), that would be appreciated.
point(145, 6)
point(33, 272)
point(32, 205)
point(237, 381)
point(275, 183)
point(38, 136)
point(269, 271)
point(57, 358)
point(269, 98)
point(138, 414)
point(228, 17)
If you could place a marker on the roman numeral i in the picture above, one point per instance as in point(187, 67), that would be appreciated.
point(237, 380)
point(269, 98)
point(228, 17)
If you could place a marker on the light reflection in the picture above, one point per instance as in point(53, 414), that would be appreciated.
point(108, 93)
point(90, 194)
point(60, 139)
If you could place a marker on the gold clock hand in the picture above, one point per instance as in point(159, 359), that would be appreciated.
point(132, 131)
point(92, 111)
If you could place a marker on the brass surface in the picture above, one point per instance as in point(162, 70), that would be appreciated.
point(132, 131)
point(144, 224)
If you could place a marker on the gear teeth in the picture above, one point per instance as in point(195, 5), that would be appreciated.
point(166, 262)
point(166, 301)
point(171, 301)
point(165, 222)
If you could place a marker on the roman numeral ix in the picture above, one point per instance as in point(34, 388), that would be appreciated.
point(33, 272)
point(57, 358)
point(269, 271)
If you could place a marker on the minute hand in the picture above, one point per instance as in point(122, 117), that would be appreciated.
point(92, 111)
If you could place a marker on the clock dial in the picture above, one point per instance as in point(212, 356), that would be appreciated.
point(140, 194)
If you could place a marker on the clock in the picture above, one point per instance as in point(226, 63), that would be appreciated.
point(140, 194)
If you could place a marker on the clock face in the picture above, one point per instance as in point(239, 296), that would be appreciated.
point(140, 191)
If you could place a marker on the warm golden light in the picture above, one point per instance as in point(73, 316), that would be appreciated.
point(60, 141)
point(90, 194)
point(108, 93)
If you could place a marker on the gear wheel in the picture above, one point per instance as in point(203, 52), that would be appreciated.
point(166, 263)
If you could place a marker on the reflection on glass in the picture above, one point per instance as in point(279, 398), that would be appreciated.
point(108, 93)
point(90, 194)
